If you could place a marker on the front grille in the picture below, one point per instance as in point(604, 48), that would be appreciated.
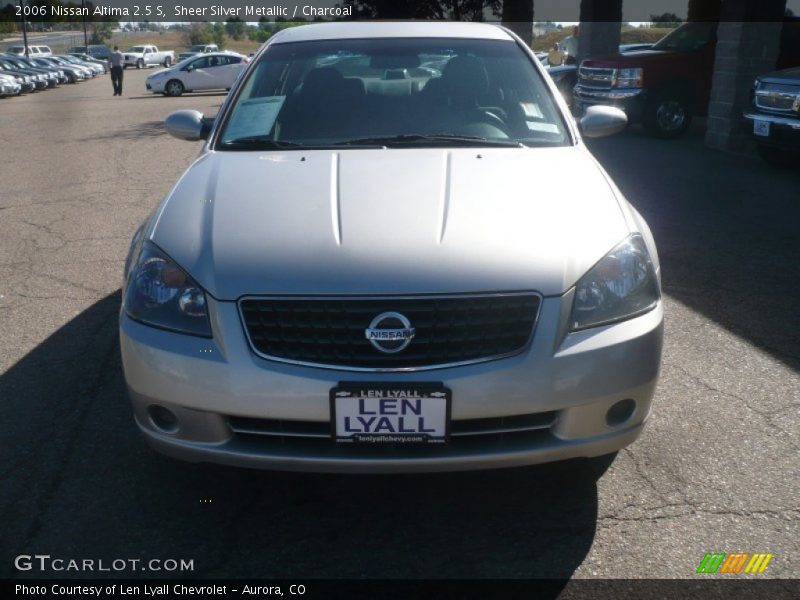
point(596, 77)
point(332, 331)
point(493, 426)
point(777, 97)
point(463, 433)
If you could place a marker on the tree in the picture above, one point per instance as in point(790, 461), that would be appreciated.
point(101, 31)
point(218, 34)
point(235, 28)
point(198, 33)
point(666, 20)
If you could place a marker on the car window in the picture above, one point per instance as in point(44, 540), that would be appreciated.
point(335, 91)
point(200, 63)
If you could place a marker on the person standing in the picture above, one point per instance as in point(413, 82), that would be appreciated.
point(569, 46)
point(116, 70)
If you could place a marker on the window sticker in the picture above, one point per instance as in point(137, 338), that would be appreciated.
point(254, 117)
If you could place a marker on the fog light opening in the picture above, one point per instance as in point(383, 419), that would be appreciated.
point(620, 412)
point(163, 418)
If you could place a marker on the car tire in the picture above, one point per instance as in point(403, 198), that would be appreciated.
point(140, 64)
point(777, 157)
point(167, 62)
point(668, 114)
point(173, 88)
point(70, 78)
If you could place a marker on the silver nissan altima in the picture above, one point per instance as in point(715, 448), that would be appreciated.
point(374, 265)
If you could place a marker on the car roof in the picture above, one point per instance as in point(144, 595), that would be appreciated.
point(220, 53)
point(360, 30)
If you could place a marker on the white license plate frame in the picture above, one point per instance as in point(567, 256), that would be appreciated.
point(416, 413)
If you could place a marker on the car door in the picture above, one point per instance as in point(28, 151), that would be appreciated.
point(232, 66)
point(196, 76)
point(214, 73)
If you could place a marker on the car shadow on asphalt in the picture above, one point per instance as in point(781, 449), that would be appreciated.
point(81, 482)
point(184, 96)
point(143, 130)
point(726, 229)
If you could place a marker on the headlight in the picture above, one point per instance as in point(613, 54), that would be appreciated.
point(558, 76)
point(622, 285)
point(629, 78)
point(158, 292)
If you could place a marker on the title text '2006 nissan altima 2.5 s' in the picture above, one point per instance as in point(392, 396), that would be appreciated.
point(374, 266)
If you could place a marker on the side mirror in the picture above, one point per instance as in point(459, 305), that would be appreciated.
point(187, 125)
point(600, 121)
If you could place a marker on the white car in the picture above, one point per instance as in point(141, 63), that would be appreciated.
point(214, 71)
point(32, 51)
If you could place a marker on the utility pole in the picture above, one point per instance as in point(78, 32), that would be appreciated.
point(24, 28)
point(85, 35)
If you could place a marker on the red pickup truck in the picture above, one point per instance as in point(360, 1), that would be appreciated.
point(664, 86)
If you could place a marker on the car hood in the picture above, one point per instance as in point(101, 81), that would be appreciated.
point(390, 221)
point(634, 58)
point(161, 72)
point(786, 76)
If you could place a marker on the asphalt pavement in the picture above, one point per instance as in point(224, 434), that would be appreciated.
point(715, 470)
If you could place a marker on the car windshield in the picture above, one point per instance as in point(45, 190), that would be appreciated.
point(136, 49)
point(197, 48)
point(688, 37)
point(405, 91)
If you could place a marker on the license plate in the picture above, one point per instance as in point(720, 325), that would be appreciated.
point(386, 413)
point(761, 127)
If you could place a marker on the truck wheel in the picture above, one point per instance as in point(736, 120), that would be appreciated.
point(167, 62)
point(668, 114)
point(140, 64)
point(173, 88)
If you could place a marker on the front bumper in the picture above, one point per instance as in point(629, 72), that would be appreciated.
point(10, 89)
point(155, 86)
point(577, 377)
point(630, 100)
point(784, 132)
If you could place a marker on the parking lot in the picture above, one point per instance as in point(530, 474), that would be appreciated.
point(715, 470)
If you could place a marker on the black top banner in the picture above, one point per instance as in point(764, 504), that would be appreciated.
point(538, 11)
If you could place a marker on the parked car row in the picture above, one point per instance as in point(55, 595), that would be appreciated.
point(212, 71)
point(21, 74)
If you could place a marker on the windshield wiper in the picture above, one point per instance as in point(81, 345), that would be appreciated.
point(419, 138)
point(259, 142)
